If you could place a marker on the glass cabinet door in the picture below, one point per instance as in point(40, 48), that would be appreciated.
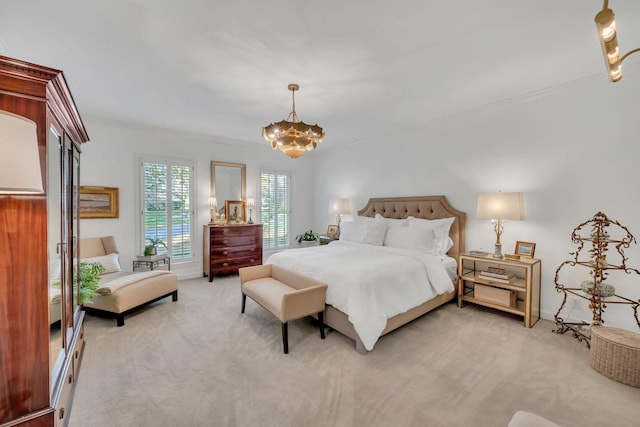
point(54, 248)
point(74, 170)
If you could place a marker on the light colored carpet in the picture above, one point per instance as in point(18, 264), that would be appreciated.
point(200, 362)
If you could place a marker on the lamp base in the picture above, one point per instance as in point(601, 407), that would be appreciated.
point(498, 251)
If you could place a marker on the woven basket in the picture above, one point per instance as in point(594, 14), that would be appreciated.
point(615, 353)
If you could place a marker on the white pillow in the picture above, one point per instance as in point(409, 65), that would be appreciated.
point(404, 221)
point(110, 262)
point(367, 232)
point(440, 228)
point(403, 237)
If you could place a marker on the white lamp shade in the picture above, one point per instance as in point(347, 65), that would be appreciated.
point(339, 206)
point(501, 206)
point(19, 162)
point(250, 202)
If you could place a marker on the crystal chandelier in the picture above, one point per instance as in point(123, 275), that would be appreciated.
point(293, 137)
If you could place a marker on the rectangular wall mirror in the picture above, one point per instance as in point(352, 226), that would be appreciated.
point(228, 182)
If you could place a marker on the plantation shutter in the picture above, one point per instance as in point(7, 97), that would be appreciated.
point(275, 210)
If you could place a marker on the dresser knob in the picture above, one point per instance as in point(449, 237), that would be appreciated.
point(226, 242)
point(225, 253)
point(226, 264)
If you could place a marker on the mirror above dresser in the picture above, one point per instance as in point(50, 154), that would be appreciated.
point(228, 183)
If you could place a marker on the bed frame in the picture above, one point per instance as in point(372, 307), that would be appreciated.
point(426, 207)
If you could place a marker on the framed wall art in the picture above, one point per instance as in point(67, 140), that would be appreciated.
point(99, 202)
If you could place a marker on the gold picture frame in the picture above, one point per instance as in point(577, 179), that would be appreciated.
point(235, 211)
point(99, 202)
point(333, 231)
point(525, 249)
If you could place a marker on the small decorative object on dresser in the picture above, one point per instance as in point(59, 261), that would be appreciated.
point(235, 211)
point(332, 231)
point(506, 285)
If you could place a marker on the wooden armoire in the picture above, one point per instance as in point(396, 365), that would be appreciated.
point(41, 325)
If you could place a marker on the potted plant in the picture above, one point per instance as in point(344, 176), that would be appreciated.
point(89, 279)
point(309, 238)
point(152, 247)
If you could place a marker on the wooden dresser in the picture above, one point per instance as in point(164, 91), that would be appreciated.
point(229, 247)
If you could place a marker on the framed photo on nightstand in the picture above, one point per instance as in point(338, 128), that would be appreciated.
point(525, 249)
point(332, 231)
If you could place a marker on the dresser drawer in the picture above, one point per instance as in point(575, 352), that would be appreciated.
point(229, 264)
point(224, 241)
point(232, 251)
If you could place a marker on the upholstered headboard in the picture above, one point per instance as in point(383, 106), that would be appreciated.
point(426, 207)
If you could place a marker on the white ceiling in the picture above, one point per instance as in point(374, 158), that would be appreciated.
point(221, 68)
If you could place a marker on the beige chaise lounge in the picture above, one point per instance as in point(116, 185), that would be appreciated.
point(121, 292)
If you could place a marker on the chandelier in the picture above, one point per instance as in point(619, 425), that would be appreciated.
point(293, 137)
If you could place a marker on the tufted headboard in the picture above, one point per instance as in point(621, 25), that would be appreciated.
point(426, 207)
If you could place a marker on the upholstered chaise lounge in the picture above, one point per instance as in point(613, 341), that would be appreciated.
point(120, 291)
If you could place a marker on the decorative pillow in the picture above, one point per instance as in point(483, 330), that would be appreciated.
point(404, 221)
point(367, 232)
point(403, 237)
point(440, 229)
point(110, 262)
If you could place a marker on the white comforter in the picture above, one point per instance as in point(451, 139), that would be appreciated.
point(369, 283)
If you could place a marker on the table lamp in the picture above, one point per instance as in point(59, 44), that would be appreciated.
point(339, 207)
point(499, 207)
point(250, 204)
point(20, 161)
point(213, 205)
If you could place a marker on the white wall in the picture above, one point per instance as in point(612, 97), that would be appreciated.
point(109, 160)
point(573, 152)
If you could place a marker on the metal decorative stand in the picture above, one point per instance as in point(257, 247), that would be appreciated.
point(596, 290)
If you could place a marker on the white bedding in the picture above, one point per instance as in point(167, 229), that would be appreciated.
point(370, 283)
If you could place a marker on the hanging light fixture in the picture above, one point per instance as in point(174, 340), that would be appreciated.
point(293, 137)
point(606, 24)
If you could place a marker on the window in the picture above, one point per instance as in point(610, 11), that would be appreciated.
point(274, 203)
point(167, 205)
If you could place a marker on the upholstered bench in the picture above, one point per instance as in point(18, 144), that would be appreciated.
point(286, 294)
point(121, 292)
point(615, 353)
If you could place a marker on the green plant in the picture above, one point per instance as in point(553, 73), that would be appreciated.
point(152, 247)
point(308, 236)
point(89, 279)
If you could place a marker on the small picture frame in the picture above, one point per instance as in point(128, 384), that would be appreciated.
point(333, 231)
point(98, 202)
point(235, 211)
point(525, 249)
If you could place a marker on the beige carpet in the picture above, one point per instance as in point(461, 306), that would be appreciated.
point(200, 362)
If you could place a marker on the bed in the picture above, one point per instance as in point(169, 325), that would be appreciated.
point(378, 275)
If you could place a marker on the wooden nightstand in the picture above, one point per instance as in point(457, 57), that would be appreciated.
point(518, 295)
point(325, 240)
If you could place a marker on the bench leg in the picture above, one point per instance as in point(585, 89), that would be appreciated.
point(321, 321)
point(244, 302)
point(174, 296)
point(285, 338)
point(120, 319)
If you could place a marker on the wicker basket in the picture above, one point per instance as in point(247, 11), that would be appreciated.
point(615, 353)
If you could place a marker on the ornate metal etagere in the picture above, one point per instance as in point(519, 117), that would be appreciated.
point(605, 255)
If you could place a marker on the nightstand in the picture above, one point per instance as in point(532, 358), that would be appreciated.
point(325, 240)
point(517, 292)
